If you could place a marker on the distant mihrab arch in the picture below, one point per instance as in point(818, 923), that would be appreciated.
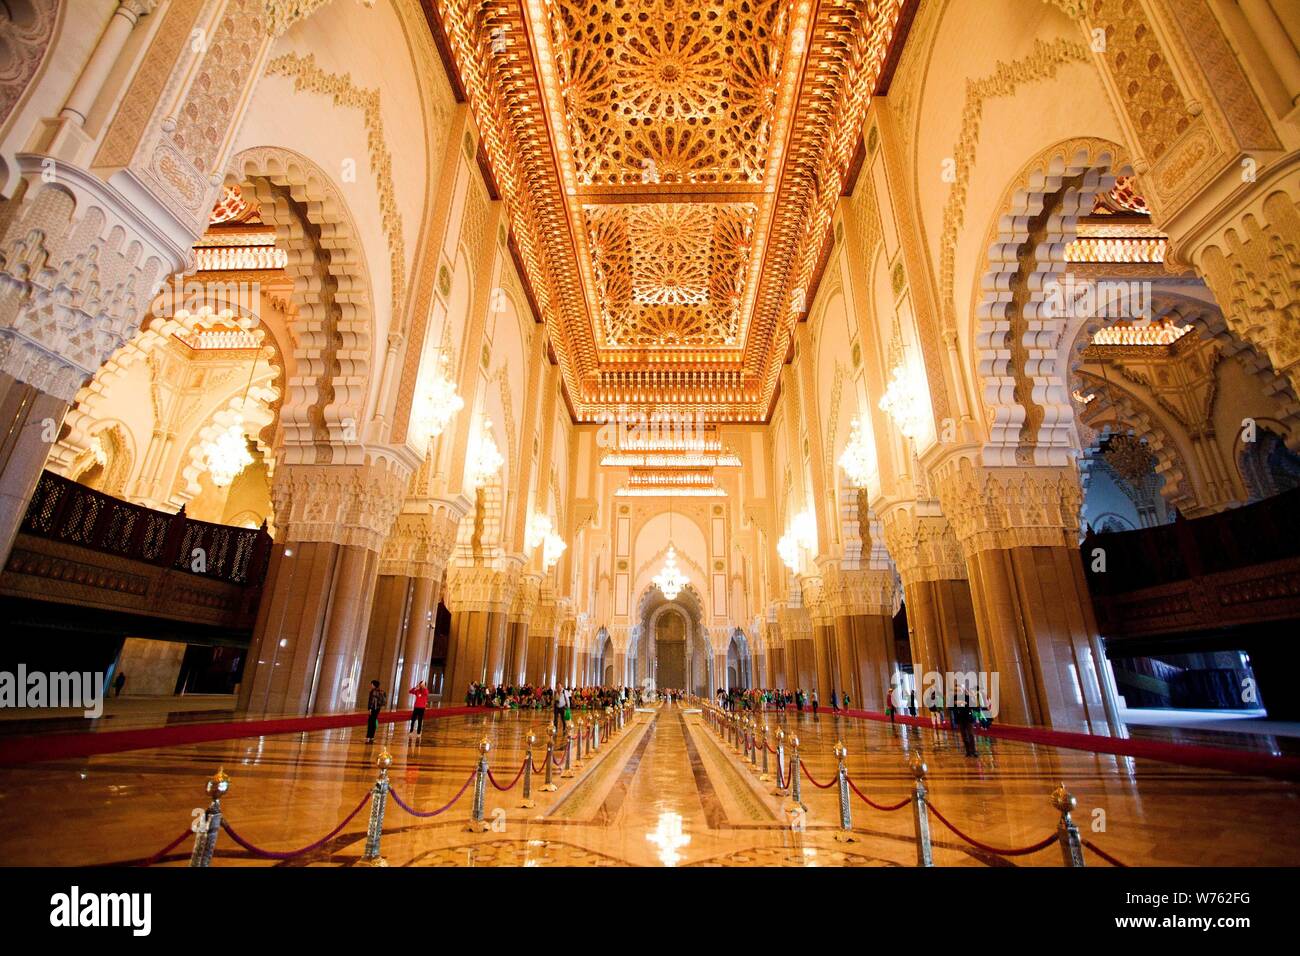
point(670, 648)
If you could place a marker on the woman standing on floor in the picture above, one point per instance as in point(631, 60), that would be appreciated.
point(375, 703)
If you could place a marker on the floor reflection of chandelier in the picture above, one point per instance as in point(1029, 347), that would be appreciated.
point(670, 579)
point(227, 454)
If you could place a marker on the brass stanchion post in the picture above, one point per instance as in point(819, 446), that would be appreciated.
point(568, 754)
point(845, 834)
point(209, 825)
point(476, 822)
point(920, 813)
point(796, 785)
point(549, 786)
point(764, 775)
point(781, 784)
point(378, 803)
point(528, 802)
point(1066, 831)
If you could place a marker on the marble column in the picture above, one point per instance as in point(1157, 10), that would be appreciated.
point(466, 653)
point(389, 619)
point(517, 652)
point(29, 424)
point(824, 648)
point(1033, 613)
point(776, 663)
point(877, 661)
point(309, 635)
point(496, 647)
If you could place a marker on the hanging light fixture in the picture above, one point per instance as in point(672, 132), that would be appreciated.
point(437, 404)
point(670, 580)
point(552, 547)
point(904, 399)
point(856, 460)
point(539, 526)
point(487, 460)
point(227, 455)
point(801, 536)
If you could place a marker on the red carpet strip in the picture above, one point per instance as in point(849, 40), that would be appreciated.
point(37, 747)
point(1191, 755)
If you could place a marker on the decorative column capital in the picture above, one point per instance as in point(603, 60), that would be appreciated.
point(922, 542)
point(1003, 507)
point(812, 589)
point(351, 505)
point(524, 603)
point(854, 592)
point(422, 539)
point(481, 587)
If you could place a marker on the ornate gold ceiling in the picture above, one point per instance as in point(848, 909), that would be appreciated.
point(670, 171)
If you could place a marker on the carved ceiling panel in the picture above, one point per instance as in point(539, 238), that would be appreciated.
point(670, 170)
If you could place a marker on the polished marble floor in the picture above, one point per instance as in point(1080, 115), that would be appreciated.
point(664, 792)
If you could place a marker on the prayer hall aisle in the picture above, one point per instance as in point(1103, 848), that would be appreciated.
point(664, 790)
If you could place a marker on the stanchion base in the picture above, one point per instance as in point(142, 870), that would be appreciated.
point(527, 804)
point(376, 861)
point(566, 774)
point(779, 792)
point(791, 807)
point(550, 787)
point(845, 836)
point(765, 777)
point(478, 826)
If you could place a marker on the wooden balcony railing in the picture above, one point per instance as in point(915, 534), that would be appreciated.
point(63, 510)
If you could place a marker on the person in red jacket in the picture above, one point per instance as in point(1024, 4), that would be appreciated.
point(421, 694)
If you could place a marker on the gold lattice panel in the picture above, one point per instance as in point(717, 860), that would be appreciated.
point(670, 274)
point(670, 170)
point(668, 91)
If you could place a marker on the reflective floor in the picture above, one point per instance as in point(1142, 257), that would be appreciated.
point(665, 791)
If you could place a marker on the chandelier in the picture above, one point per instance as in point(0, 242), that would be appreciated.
point(904, 400)
point(437, 404)
point(552, 547)
point(801, 536)
point(486, 460)
point(670, 579)
point(539, 526)
point(857, 461)
point(227, 454)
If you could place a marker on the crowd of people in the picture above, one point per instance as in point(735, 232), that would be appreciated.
point(964, 713)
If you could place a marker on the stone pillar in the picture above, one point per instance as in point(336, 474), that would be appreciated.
point(390, 618)
point(309, 641)
point(496, 647)
point(940, 612)
point(1018, 529)
point(479, 599)
point(466, 653)
point(876, 662)
point(30, 420)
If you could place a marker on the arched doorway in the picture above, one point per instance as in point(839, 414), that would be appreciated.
point(740, 669)
point(670, 648)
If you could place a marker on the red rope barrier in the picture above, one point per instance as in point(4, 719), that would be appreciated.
point(877, 806)
point(442, 809)
point(813, 780)
point(151, 860)
point(290, 854)
point(1020, 851)
point(512, 782)
point(1103, 854)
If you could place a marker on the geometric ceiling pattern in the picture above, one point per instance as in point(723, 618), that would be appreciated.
point(670, 170)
